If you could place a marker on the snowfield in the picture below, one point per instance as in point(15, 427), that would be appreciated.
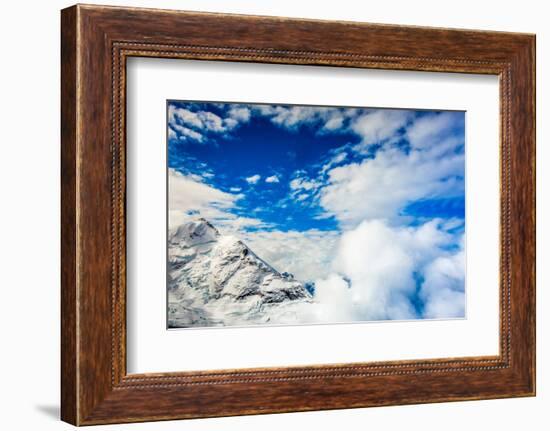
point(216, 280)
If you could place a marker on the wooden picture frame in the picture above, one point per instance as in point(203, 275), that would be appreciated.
point(95, 43)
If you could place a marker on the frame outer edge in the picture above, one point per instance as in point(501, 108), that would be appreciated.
point(69, 211)
point(523, 217)
point(532, 101)
point(530, 62)
point(533, 53)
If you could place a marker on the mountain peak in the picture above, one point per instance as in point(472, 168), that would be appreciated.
point(195, 232)
point(217, 280)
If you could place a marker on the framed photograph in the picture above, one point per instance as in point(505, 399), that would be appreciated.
point(265, 215)
point(293, 214)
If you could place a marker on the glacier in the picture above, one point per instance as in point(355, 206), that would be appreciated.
point(217, 280)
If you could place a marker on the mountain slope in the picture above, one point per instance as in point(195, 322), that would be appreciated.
point(216, 280)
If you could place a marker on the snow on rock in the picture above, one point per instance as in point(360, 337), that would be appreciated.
point(216, 280)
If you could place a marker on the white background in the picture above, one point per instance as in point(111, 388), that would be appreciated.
point(151, 348)
point(29, 228)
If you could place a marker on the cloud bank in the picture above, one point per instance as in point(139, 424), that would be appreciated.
point(382, 265)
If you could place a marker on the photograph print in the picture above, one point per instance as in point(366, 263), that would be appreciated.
point(295, 214)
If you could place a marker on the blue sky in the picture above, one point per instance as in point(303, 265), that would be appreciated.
point(263, 161)
point(302, 185)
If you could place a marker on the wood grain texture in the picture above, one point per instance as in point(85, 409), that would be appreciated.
point(96, 41)
point(69, 397)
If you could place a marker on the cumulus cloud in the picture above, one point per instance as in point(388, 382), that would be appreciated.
point(253, 179)
point(186, 124)
point(327, 119)
point(290, 116)
point(431, 130)
point(382, 185)
point(239, 113)
point(379, 125)
point(335, 122)
point(190, 198)
point(188, 195)
point(201, 120)
point(381, 263)
point(272, 179)
point(182, 132)
point(335, 300)
point(443, 289)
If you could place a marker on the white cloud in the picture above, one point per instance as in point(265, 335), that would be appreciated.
point(302, 188)
point(253, 179)
point(379, 269)
point(332, 303)
point(187, 194)
point(381, 186)
point(334, 123)
point(378, 125)
point(240, 113)
point(194, 124)
point(338, 158)
point(306, 254)
point(380, 262)
point(211, 121)
point(183, 132)
point(293, 117)
point(190, 198)
point(201, 120)
point(235, 189)
point(272, 179)
point(184, 116)
point(303, 184)
point(230, 123)
point(430, 130)
point(443, 289)
point(236, 225)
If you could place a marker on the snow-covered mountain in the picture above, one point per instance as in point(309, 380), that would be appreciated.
point(216, 280)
